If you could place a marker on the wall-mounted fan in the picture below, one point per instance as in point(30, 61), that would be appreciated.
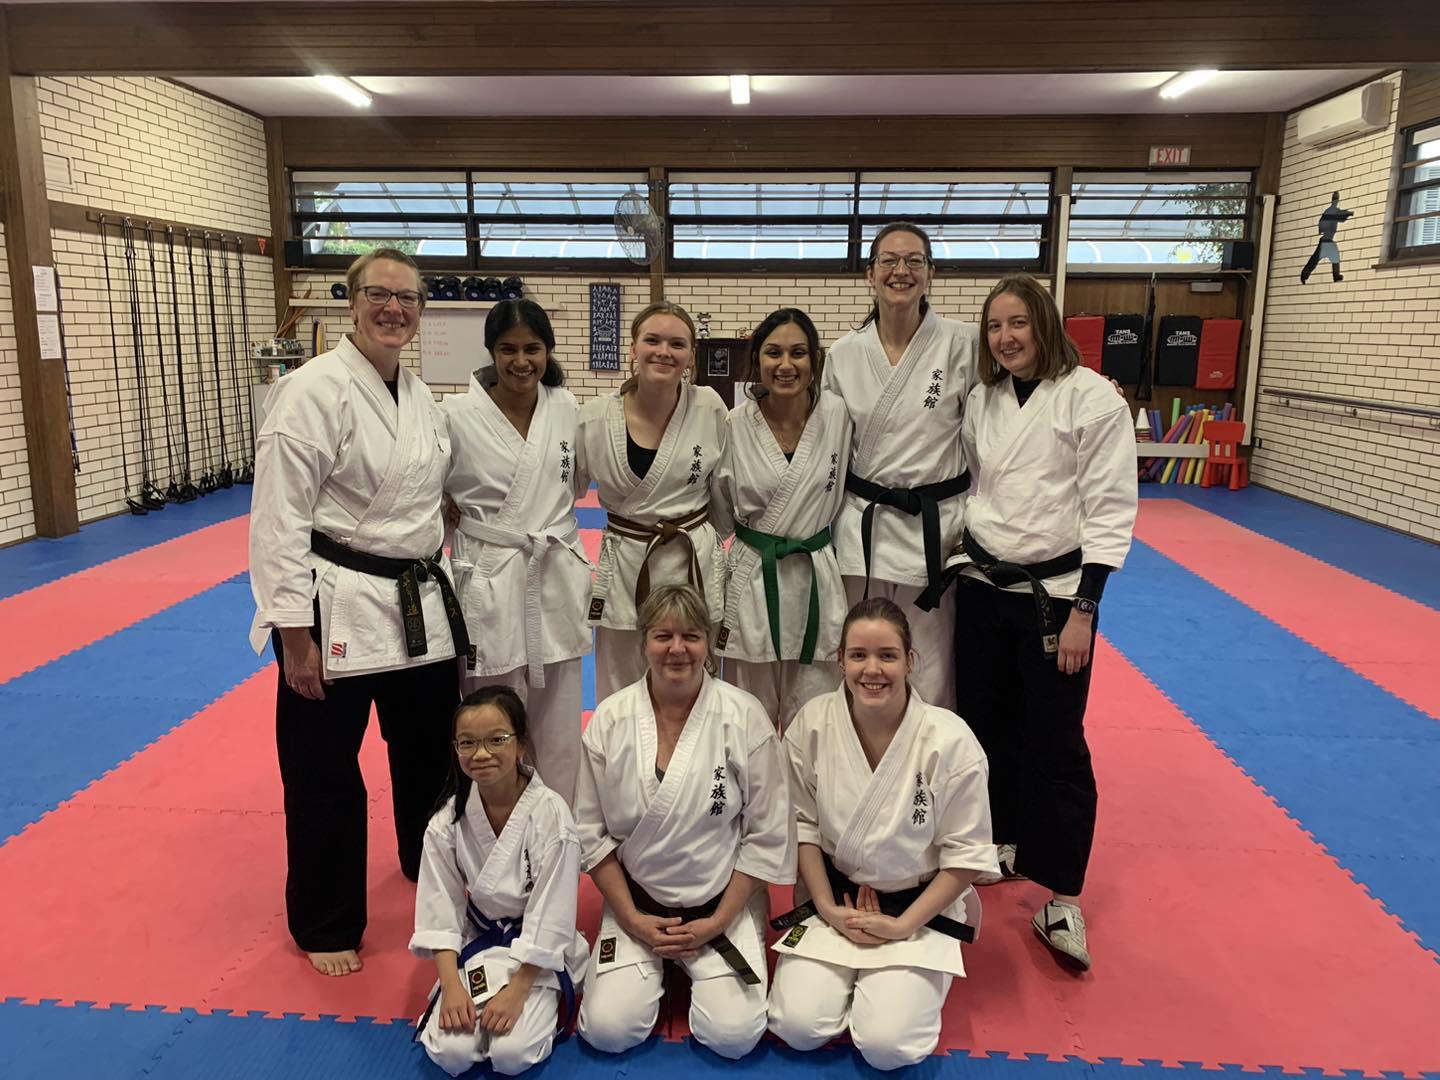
point(639, 228)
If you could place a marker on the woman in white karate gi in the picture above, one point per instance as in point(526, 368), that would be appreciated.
point(780, 482)
point(352, 587)
point(904, 376)
point(496, 904)
point(651, 448)
point(520, 570)
point(894, 827)
point(1052, 449)
point(684, 818)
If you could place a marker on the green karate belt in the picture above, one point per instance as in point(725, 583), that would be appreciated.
point(772, 549)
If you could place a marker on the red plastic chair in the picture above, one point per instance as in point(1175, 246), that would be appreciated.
point(1224, 438)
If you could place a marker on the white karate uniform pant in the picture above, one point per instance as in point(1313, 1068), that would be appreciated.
point(619, 660)
point(552, 713)
point(621, 1006)
point(782, 686)
point(893, 1013)
point(528, 1043)
point(933, 634)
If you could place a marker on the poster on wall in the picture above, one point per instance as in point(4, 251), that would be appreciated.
point(604, 327)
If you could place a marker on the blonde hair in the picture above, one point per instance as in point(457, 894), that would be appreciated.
point(657, 307)
point(1056, 354)
point(357, 269)
point(686, 606)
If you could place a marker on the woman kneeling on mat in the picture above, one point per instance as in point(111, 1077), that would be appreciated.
point(684, 817)
point(893, 828)
point(1052, 449)
point(496, 904)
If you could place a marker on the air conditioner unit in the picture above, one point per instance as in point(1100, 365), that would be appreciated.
point(1361, 111)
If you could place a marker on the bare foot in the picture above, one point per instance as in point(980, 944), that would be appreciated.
point(346, 962)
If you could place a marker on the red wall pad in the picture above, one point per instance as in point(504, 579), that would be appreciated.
point(1088, 334)
point(1219, 354)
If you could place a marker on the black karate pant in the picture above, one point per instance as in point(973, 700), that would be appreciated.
point(1030, 718)
point(325, 798)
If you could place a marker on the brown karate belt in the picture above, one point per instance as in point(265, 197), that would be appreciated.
point(657, 535)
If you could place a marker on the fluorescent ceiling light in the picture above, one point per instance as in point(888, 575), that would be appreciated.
point(739, 89)
point(342, 87)
point(1186, 81)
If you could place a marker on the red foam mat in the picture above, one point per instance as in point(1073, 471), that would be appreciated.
point(109, 597)
point(1381, 635)
point(1221, 932)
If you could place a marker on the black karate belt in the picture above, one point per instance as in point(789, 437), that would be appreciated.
point(923, 500)
point(1002, 574)
point(720, 943)
point(407, 574)
point(893, 904)
point(490, 933)
point(662, 532)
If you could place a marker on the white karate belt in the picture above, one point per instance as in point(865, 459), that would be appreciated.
point(534, 546)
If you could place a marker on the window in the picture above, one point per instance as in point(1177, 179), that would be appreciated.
point(1155, 220)
point(463, 219)
point(825, 221)
point(1417, 193)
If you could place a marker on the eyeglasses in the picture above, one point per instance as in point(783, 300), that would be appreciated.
point(380, 296)
point(913, 262)
point(493, 744)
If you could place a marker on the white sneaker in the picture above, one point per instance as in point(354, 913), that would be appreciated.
point(1062, 927)
point(1006, 857)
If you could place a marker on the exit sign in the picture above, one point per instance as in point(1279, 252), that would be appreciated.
point(1169, 155)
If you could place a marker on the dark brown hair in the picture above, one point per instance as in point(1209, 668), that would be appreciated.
point(772, 322)
point(1055, 353)
point(894, 227)
point(882, 609)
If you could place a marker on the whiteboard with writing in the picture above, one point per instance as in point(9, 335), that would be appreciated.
point(452, 345)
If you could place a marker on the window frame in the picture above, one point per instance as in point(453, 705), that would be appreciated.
point(1399, 251)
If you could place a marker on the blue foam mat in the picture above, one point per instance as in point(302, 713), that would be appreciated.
point(1353, 794)
point(69, 722)
point(41, 560)
point(1403, 564)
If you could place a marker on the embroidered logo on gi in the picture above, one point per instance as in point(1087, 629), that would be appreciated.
point(478, 982)
point(834, 468)
point(597, 608)
point(529, 872)
point(564, 461)
point(717, 793)
point(697, 464)
point(337, 648)
point(723, 638)
point(921, 801)
point(607, 950)
point(793, 937)
point(471, 658)
point(932, 392)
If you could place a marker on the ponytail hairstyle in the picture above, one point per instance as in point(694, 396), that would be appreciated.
point(508, 314)
point(893, 227)
point(658, 307)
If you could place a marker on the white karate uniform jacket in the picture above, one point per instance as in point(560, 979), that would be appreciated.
point(756, 486)
point(907, 433)
point(1057, 474)
point(677, 485)
point(336, 454)
point(924, 808)
point(530, 871)
point(520, 570)
point(723, 806)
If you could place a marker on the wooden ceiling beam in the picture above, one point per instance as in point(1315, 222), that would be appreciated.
point(575, 37)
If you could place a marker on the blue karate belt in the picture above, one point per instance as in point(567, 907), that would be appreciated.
point(489, 934)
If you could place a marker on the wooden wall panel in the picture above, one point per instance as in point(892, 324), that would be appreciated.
point(1419, 95)
point(1234, 140)
point(709, 37)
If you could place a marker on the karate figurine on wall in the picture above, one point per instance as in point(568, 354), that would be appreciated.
point(1327, 248)
point(703, 318)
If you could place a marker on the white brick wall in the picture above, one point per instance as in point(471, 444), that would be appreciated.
point(736, 305)
point(1375, 336)
point(142, 147)
point(17, 517)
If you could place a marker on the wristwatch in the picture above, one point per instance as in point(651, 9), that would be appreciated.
point(1086, 606)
